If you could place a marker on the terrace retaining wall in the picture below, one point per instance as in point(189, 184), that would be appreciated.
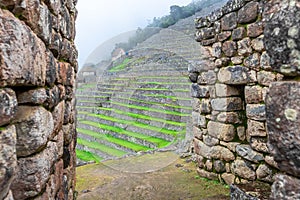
point(246, 90)
point(37, 81)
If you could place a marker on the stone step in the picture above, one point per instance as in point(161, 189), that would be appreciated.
point(97, 152)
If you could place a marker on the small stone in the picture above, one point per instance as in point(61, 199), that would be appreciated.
point(270, 161)
point(230, 145)
point(209, 165)
point(227, 104)
point(217, 49)
point(198, 133)
point(258, 44)
point(256, 129)
point(199, 91)
point(252, 61)
point(243, 169)
point(219, 166)
point(210, 141)
point(205, 107)
point(224, 35)
point(259, 144)
point(229, 48)
point(265, 78)
point(233, 75)
point(229, 22)
point(255, 29)
point(265, 61)
point(207, 78)
point(248, 13)
point(225, 132)
point(253, 94)
point(244, 47)
point(228, 178)
point(208, 175)
point(193, 77)
point(224, 90)
point(256, 112)
point(205, 33)
point(238, 33)
point(264, 173)
point(246, 152)
point(237, 60)
point(8, 105)
point(196, 104)
point(198, 120)
point(229, 117)
point(241, 131)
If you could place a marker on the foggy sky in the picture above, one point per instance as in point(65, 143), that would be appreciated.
point(100, 20)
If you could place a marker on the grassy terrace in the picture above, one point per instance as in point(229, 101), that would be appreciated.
point(109, 138)
point(134, 123)
point(120, 66)
point(140, 116)
point(150, 109)
point(87, 156)
point(103, 148)
point(157, 141)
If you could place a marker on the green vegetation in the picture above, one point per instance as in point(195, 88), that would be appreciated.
point(157, 141)
point(87, 156)
point(106, 137)
point(101, 147)
point(151, 109)
point(120, 66)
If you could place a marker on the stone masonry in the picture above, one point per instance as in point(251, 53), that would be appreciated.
point(246, 95)
point(37, 82)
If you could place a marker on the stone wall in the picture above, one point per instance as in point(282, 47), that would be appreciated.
point(246, 95)
point(37, 81)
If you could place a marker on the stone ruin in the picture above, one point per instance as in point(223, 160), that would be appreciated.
point(246, 95)
point(38, 68)
point(245, 92)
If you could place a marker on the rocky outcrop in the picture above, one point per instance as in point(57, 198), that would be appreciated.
point(37, 79)
point(253, 94)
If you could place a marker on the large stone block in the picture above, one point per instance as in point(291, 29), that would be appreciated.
point(283, 120)
point(233, 75)
point(8, 105)
point(35, 96)
point(8, 159)
point(253, 94)
point(225, 132)
point(265, 78)
point(37, 15)
point(230, 117)
point(256, 128)
point(256, 112)
point(229, 48)
point(282, 35)
point(246, 152)
point(16, 42)
point(208, 78)
point(243, 169)
point(285, 187)
point(199, 91)
point(229, 22)
point(223, 90)
point(215, 152)
point(34, 172)
point(227, 104)
point(244, 47)
point(248, 13)
point(34, 126)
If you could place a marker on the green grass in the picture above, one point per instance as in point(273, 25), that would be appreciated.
point(151, 109)
point(160, 89)
point(139, 116)
point(101, 147)
point(87, 156)
point(162, 83)
point(167, 96)
point(120, 66)
point(157, 141)
point(109, 138)
point(135, 123)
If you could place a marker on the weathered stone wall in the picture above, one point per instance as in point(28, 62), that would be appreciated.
point(246, 94)
point(37, 81)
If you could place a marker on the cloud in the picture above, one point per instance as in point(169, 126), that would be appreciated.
point(100, 20)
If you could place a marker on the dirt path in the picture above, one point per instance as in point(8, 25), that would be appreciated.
point(158, 176)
